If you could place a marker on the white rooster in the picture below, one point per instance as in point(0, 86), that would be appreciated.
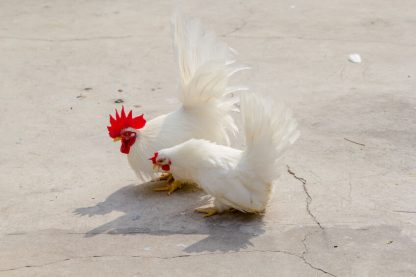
point(237, 179)
point(205, 66)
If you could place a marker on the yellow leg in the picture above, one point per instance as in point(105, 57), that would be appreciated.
point(162, 188)
point(170, 187)
point(174, 186)
point(209, 211)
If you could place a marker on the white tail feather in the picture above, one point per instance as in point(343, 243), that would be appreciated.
point(205, 67)
point(269, 131)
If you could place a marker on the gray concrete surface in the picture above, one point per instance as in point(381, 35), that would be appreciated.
point(71, 206)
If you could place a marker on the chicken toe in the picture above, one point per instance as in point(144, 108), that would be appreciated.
point(208, 211)
point(170, 187)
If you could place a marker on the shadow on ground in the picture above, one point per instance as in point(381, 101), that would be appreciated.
point(156, 213)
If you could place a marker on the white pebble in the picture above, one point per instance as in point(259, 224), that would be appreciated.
point(354, 58)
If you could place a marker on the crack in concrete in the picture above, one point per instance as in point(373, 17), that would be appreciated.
point(229, 34)
point(172, 257)
point(236, 29)
point(67, 39)
point(306, 251)
point(358, 143)
point(407, 212)
point(317, 268)
point(323, 39)
point(148, 257)
point(308, 196)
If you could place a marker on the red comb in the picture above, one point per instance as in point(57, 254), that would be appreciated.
point(122, 122)
point(153, 159)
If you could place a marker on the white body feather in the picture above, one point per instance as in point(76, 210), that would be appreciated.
point(205, 66)
point(239, 179)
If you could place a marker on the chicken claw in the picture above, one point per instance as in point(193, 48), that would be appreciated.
point(209, 211)
point(170, 187)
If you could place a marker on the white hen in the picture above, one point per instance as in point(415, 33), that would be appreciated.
point(237, 179)
point(205, 66)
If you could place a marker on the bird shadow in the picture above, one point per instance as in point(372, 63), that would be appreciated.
point(156, 213)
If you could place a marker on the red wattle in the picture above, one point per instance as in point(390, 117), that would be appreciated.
point(126, 144)
point(166, 167)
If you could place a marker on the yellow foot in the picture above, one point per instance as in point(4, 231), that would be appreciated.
point(210, 211)
point(170, 187)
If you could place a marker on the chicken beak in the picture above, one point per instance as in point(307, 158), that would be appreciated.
point(116, 139)
point(156, 167)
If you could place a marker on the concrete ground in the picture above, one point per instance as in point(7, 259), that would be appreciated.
point(71, 206)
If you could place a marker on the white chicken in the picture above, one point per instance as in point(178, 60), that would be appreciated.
point(205, 66)
point(237, 179)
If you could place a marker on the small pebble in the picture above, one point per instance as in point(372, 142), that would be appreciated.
point(119, 101)
point(87, 88)
point(120, 90)
point(354, 58)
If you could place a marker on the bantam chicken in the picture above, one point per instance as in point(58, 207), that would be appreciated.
point(205, 67)
point(238, 179)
